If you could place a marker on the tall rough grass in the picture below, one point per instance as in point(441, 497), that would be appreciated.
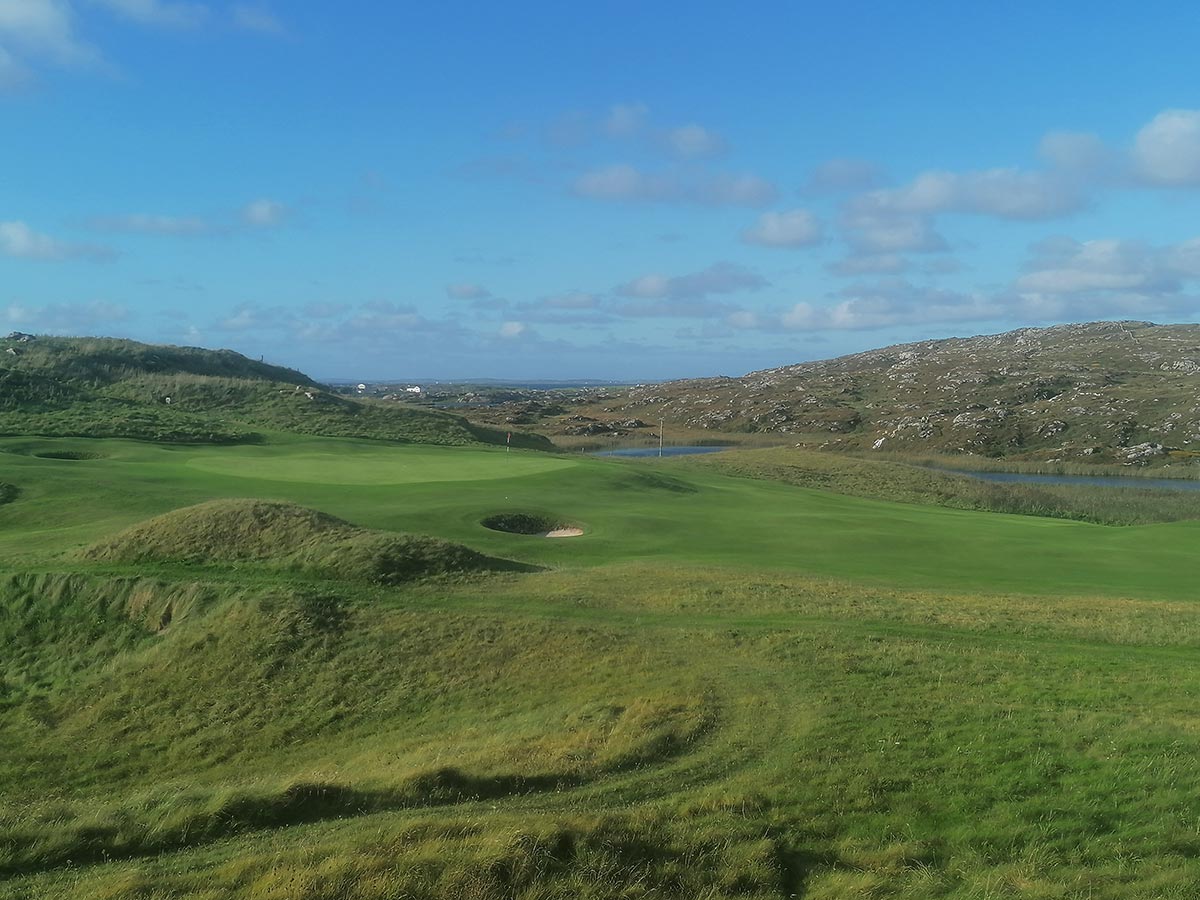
point(908, 482)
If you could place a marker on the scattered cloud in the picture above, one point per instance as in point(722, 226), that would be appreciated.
point(41, 30)
point(843, 175)
point(1062, 265)
point(570, 300)
point(694, 142)
point(719, 278)
point(1003, 193)
point(158, 13)
point(256, 18)
point(872, 264)
point(465, 291)
point(794, 228)
point(13, 74)
point(888, 304)
point(624, 182)
point(477, 258)
point(1075, 151)
point(511, 330)
point(144, 223)
point(625, 120)
point(19, 241)
point(1167, 149)
point(64, 318)
point(686, 295)
point(264, 213)
point(871, 233)
point(324, 310)
point(252, 317)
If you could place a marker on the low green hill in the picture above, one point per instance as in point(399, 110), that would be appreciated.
point(105, 387)
point(290, 537)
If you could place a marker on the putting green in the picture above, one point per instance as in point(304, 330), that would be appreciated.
point(375, 465)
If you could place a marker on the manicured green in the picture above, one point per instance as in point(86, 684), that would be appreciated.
point(726, 687)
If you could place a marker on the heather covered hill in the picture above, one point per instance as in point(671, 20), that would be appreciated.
point(105, 387)
point(1121, 391)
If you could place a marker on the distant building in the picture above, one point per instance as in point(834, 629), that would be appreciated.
point(414, 389)
point(361, 388)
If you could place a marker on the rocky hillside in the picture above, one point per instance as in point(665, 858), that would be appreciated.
point(1124, 391)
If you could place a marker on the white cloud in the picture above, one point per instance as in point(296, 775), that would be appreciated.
point(627, 183)
point(843, 175)
point(19, 241)
point(43, 29)
point(873, 233)
point(1061, 265)
point(256, 18)
point(1074, 151)
point(158, 13)
point(13, 74)
point(63, 318)
point(510, 330)
point(686, 295)
point(694, 142)
point(324, 310)
point(145, 223)
point(794, 228)
point(720, 278)
point(1064, 266)
point(570, 300)
point(871, 264)
point(889, 304)
point(1184, 258)
point(625, 119)
point(1004, 193)
point(1167, 150)
point(465, 291)
point(264, 213)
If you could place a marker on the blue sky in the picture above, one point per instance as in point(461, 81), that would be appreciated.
point(627, 191)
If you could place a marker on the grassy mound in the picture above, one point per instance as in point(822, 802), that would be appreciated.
point(8, 492)
point(287, 536)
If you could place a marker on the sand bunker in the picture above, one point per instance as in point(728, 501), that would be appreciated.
point(531, 524)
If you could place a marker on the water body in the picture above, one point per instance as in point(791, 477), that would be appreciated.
point(1108, 481)
point(653, 451)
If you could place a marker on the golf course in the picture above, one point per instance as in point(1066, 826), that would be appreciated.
point(305, 667)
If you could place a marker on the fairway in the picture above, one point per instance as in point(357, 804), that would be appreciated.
point(726, 687)
point(359, 464)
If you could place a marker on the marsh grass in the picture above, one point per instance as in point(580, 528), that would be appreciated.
point(907, 479)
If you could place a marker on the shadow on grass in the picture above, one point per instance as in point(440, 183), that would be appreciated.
point(299, 804)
